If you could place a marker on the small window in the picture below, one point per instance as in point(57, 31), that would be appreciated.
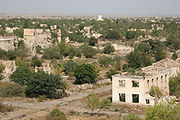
point(135, 98)
point(147, 101)
point(148, 83)
point(122, 83)
point(122, 97)
point(135, 83)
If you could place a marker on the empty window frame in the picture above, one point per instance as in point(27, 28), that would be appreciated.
point(135, 98)
point(135, 83)
point(148, 83)
point(122, 97)
point(122, 83)
point(147, 101)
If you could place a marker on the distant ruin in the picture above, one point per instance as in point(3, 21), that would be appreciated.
point(7, 43)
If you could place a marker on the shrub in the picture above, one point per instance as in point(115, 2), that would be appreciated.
point(108, 48)
point(42, 98)
point(130, 34)
point(110, 73)
point(13, 90)
point(155, 92)
point(2, 67)
point(56, 115)
point(85, 73)
point(36, 62)
point(88, 51)
point(104, 61)
point(163, 111)
point(133, 116)
point(174, 85)
point(69, 67)
point(5, 108)
point(21, 75)
point(125, 67)
point(174, 56)
point(92, 41)
point(41, 83)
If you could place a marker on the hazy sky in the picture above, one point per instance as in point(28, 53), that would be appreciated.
point(117, 7)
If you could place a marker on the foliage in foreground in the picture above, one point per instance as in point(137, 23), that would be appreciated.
point(133, 116)
point(174, 86)
point(163, 111)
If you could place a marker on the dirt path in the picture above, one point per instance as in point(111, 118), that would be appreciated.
point(31, 108)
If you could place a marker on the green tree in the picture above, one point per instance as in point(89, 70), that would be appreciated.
point(88, 51)
point(21, 75)
point(108, 48)
point(19, 33)
point(105, 61)
point(130, 34)
point(36, 62)
point(92, 41)
point(85, 73)
point(174, 84)
point(174, 56)
point(41, 83)
point(155, 92)
point(110, 73)
point(69, 67)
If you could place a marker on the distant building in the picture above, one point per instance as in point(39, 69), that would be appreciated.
point(7, 43)
point(135, 89)
point(100, 18)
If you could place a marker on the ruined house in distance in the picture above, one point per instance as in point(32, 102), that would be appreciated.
point(135, 89)
point(7, 43)
point(41, 37)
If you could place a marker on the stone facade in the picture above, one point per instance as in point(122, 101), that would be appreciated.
point(10, 67)
point(135, 89)
point(7, 43)
point(41, 37)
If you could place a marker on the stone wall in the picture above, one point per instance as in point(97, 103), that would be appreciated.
point(7, 43)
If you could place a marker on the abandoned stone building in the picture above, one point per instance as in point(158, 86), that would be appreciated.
point(135, 89)
point(7, 43)
point(41, 37)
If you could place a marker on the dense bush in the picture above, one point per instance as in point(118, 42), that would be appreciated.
point(21, 75)
point(85, 73)
point(43, 84)
point(113, 34)
point(69, 67)
point(163, 111)
point(108, 48)
point(39, 83)
point(13, 90)
point(88, 51)
point(36, 62)
point(56, 115)
point(92, 41)
point(130, 34)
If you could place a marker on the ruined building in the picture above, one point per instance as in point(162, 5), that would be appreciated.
point(135, 89)
point(7, 43)
point(41, 37)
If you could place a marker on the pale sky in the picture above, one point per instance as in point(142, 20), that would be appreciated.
point(113, 7)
